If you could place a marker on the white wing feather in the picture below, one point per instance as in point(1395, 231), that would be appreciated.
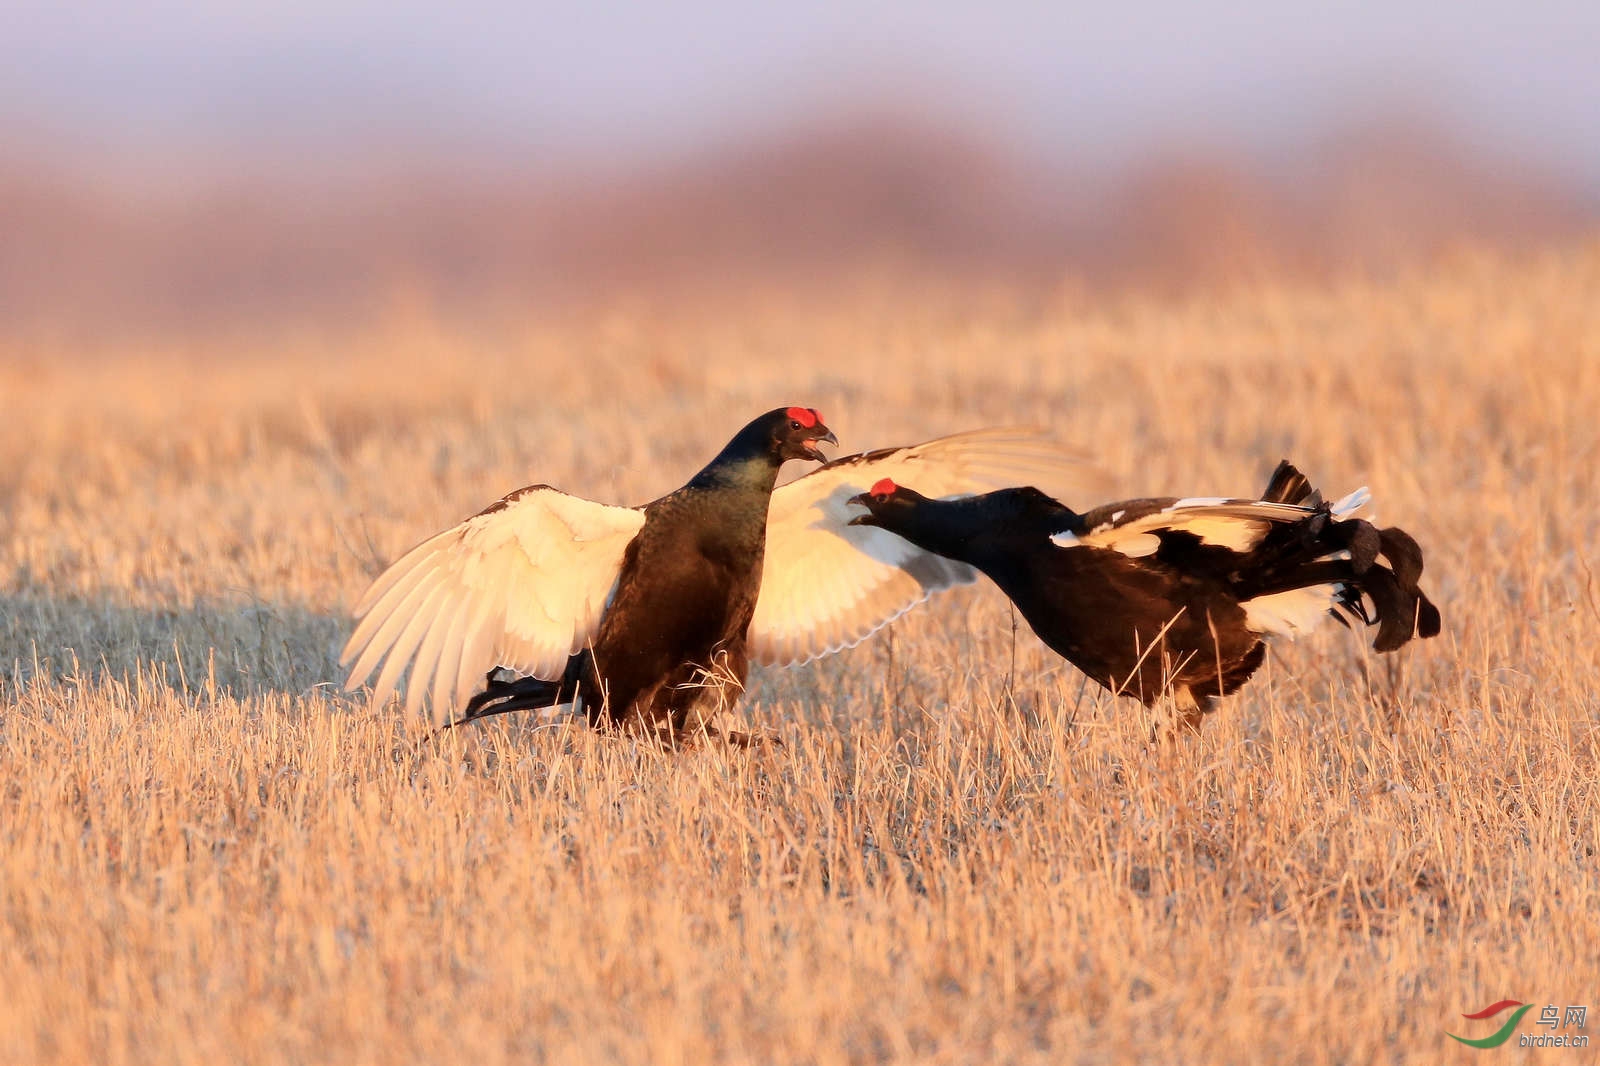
point(522, 585)
point(827, 585)
point(1237, 525)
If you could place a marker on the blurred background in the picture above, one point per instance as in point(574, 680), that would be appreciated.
point(165, 166)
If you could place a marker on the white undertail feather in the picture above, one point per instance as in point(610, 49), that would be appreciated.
point(1352, 503)
point(1291, 613)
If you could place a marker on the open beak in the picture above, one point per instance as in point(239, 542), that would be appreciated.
point(812, 445)
point(860, 519)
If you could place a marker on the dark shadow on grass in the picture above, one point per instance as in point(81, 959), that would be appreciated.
point(240, 647)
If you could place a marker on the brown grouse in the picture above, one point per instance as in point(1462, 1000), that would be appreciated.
point(1158, 596)
point(649, 617)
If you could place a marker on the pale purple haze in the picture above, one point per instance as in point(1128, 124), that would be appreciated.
point(623, 81)
point(164, 162)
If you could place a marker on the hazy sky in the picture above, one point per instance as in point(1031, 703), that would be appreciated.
point(635, 79)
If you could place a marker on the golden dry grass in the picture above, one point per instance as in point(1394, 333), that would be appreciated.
point(210, 854)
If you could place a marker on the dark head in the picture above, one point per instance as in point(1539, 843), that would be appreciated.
point(962, 527)
point(892, 506)
point(945, 527)
point(795, 432)
point(753, 456)
point(889, 506)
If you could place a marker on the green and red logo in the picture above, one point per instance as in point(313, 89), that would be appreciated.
point(1551, 1017)
point(1501, 1035)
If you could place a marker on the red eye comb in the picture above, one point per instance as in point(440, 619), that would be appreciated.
point(806, 416)
point(885, 487)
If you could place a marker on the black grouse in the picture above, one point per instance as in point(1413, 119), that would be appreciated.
point(649, 617)
point(1158, 596)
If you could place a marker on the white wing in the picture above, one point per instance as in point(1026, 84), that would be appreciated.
point(827, 585)
point(1237, 525)
point(522, 585)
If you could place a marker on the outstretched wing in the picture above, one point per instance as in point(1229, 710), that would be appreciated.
point(827, 585)
point(523, 585)
point(1134, 528)
point(1297, 602)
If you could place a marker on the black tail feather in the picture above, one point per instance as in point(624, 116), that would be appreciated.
point(1395, 608)
point(1404, 556)
point(1361, 540)
point(1289, 485)
point(1428, 621)
point(1380, 577)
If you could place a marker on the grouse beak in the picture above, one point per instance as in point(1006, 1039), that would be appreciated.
point(860, 519)
point(816, 452)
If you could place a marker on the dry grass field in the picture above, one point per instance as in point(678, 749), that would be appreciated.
point(209, 853)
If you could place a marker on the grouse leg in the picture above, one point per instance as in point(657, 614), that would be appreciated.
point(1189, 711)
point(1192, 712)
point(752, 739)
